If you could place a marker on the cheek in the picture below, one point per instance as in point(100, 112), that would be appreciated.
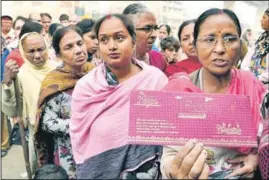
point(184, 47)
point(141, 38)
point(46, 55)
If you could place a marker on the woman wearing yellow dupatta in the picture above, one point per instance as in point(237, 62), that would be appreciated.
point(54, 104)
point(34, 52)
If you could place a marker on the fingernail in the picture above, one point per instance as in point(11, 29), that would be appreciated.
point(201, 144)
point(204, 152)
point(194, 141)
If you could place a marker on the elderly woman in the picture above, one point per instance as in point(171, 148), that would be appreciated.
point(54, 103)
point(217, 40)
point(145, 26)
point(257, 58)
point(190, 63)
point(100, 108)
point(34, 52)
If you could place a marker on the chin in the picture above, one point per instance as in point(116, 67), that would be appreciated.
point(221, 73)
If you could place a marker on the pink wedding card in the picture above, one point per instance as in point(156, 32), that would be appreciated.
point(169, 118)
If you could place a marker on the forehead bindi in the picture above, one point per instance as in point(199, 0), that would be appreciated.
point(219, 24)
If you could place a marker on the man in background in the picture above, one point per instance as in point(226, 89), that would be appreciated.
point(7, 31)
point(46, 21)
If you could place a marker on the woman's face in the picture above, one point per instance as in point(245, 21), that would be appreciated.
point(91, 42)
point(145, 39)
point(17, 28)
point(163, 33)
point(186, 42)
point(115, 43)
point(218, 44)
point(35, 50)
point(73, 51)
point(265, 22)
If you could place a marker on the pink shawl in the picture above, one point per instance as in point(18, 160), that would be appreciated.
point(242, 82)
point(100, 112)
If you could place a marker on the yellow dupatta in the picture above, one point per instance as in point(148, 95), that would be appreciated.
point(30, 78)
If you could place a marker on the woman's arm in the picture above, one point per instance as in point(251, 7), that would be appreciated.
point(52, 120)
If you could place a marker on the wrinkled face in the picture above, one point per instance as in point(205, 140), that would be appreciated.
point(73, 50)
point(218, 44)
point(6, 25)
point(187, 40)
point(144, 38)
point(170, 54)
point(265, 22)
point(35, 50)
point(163, 33)
point(115, 43)
point(65, 23)
point(46, 22)
point(91, 42)
point(17, 28)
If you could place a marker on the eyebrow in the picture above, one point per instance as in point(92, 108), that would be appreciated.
point(70, 44)
point(113, 33)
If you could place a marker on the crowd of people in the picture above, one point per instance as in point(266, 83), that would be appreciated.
point(70, 81)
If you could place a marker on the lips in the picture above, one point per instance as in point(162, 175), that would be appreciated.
point(220, 62)
point(79, 59)
point(114, 55)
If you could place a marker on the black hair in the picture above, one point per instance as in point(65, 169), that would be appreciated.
point(45, 14)
point(51, 171)
point(181, 27)
point(215, 11)
point(168, 28)
point(60, 33)
point(7, 17)
point(30, 27)
point(64, 17)
point(124, 19)
point(86, 25)
point(267, 11)
point(53, 27)
point(169, 42)
point(19, 18)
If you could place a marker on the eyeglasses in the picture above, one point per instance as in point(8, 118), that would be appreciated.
point(211, 41)
point(148, 28)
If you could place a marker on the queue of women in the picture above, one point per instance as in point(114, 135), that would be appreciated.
point(77, 110)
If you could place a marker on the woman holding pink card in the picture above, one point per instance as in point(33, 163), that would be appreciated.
point(217, 41)
point(100, 108)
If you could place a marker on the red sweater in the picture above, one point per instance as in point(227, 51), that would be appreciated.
point(188, 66)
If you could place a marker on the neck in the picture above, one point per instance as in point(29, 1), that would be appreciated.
point(213, 83)
point(144, 57)
point(75, 69)
point(124, 73)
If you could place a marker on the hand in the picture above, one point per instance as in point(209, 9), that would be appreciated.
point(10, 72)
point(249, 164)
point(189, 163)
